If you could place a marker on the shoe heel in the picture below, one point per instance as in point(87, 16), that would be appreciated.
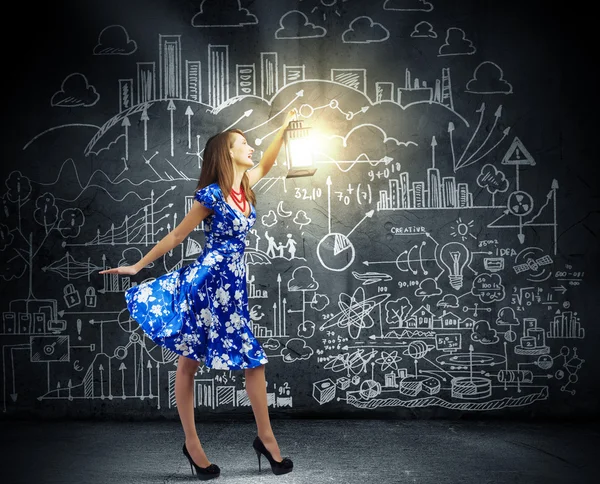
point(278, 467)
point(203, 473)
point(258, 454)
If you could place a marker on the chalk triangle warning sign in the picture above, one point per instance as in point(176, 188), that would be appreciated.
point(517, 154)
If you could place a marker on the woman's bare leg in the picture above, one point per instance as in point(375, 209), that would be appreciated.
point(257, 392)
point(184, 396)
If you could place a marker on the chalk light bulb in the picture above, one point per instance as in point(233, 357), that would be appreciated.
point(455, 256)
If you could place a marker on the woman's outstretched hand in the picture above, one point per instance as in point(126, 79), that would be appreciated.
point(290, 116)
point(121, 270)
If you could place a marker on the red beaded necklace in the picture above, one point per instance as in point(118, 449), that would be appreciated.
point(239, 199)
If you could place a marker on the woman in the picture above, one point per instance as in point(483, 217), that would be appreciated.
point(201, 310)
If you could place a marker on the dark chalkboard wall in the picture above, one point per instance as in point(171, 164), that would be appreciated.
point(442, 261)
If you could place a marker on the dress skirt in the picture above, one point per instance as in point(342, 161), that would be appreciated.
point(200, 311)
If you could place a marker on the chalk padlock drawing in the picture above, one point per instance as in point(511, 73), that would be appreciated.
point(71, 296)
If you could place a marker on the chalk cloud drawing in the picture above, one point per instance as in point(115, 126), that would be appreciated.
point(114, 40)
point(319, 302)
point(482, 333)
point(223, 13)
point(363, 30)
point(296, 349)
point(269, 219)
point(488, 78)
point(488, 287)
point(424, 29)
point(408, 5)
point(295, 25)
point(306, 329)
point(456, 43)
point(428, 288)
point(448, 301)
point(75, 91)
point(302, 280)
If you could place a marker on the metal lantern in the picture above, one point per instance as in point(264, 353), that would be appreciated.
point(298, 151)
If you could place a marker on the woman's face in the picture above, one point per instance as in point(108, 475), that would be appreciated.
point(241, 151)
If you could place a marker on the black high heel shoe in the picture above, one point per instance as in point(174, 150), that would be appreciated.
point(203, 473)
point(278, 468)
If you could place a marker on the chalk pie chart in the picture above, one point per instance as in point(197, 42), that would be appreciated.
point(335, 252)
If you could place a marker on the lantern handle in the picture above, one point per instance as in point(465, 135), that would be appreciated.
point(290, 116)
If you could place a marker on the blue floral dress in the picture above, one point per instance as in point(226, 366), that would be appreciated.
point(201, 310)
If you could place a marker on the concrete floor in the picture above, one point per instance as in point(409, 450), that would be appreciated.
point(323, 451)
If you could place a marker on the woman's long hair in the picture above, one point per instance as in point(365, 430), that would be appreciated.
point(217, 165)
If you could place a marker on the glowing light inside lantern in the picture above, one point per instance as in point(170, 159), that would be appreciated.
point(299, 150)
